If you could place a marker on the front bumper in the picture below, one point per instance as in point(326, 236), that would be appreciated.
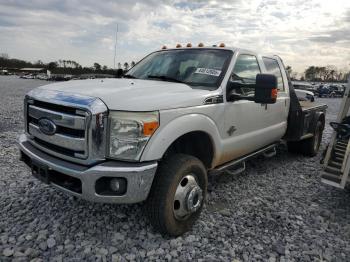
point(80, 181)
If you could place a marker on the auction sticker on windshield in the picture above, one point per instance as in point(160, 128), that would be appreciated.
point(207, 71)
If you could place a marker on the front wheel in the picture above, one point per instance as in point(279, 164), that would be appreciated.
point(177, 194)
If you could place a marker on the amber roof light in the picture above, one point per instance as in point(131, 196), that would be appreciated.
point(222, 45)
point(178, 46)
point(200, 45)
point(189, 45)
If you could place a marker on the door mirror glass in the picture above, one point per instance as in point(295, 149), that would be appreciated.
point(265, 89)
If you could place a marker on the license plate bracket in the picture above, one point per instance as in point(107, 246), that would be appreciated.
point(40, 171)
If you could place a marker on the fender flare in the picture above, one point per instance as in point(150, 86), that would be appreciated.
point(164, 137)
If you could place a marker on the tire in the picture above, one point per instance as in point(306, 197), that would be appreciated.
point(294, 147)
point(310, 146)
point(161, 207)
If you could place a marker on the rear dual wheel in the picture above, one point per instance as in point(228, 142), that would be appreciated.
point(177, 194)
point(310, 146)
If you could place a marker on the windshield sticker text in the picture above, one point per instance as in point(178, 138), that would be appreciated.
point(207, 71)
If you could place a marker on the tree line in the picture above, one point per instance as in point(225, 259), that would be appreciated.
point(328, 73)
point(61, 66)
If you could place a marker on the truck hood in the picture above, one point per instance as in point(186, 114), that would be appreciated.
point(135, 94)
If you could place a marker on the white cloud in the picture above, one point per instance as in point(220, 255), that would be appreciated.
point(302, 32)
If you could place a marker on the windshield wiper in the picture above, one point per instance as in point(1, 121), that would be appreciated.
point(166, 78)
point(129, 76)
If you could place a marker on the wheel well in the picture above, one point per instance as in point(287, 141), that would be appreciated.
point(197, 144)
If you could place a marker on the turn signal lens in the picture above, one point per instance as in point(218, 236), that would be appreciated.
point(178, 46)
point(149, 128)
point(274, 92)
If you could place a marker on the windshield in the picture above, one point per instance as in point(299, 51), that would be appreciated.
point(195, 67)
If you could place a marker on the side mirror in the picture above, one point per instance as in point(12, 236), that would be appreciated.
point(265, 89)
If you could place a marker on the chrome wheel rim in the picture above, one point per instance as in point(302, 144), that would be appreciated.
point(188, 197)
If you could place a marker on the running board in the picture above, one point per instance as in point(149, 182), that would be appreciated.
point(235, 170)
point(268, 151)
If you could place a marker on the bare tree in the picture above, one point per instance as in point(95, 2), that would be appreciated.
point(97, 66)
point(4, 55)
point(126, 66)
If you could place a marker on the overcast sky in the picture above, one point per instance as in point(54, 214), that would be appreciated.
point(302, 32)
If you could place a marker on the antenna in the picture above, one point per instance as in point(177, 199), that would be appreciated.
point(115, 45)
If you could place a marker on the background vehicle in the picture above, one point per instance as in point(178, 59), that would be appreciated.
point(304, 95)
point(326, 90)
point(155, 135)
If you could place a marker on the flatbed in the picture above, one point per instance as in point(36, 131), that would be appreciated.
point(302, 119)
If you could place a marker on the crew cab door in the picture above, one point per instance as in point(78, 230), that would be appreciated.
point(249, 126)
point(278, 112)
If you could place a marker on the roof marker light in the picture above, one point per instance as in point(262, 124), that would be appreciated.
point(164, 47)
point(189, 45)
point(200, 45)
point(178, 46)
point(222, 45)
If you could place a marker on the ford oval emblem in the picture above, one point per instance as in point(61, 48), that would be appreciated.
point(47, 126)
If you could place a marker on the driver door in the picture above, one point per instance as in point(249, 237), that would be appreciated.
point(247, 125)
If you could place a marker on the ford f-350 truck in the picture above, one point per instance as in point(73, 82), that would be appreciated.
point(157, 133)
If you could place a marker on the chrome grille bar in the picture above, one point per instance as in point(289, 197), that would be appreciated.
point(72, 143)
point(61, 119)
point(81, 122)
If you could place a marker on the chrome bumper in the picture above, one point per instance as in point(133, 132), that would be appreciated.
point(139, 176)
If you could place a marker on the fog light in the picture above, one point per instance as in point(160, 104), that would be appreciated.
point(114, 184)
point(118, 185)
point(111, 186)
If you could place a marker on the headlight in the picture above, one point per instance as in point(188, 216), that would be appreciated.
point(129, 133)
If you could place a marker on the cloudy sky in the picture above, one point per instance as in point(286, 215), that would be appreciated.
point(302, 32)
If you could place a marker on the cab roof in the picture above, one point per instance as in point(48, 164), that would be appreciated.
point(233, 49)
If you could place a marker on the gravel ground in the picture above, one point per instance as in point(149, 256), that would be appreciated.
point(277, 210)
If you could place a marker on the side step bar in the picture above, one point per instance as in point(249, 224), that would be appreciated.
point(238, 165)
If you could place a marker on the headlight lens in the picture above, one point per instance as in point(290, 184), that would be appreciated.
point(129, 133)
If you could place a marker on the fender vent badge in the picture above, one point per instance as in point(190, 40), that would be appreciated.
point(214, 100)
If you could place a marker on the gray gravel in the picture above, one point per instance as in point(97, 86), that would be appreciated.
point(275, 211)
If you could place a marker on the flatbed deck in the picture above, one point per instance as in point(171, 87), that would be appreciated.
point(308, 105)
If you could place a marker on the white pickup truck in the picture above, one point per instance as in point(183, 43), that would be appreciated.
point(155, 134)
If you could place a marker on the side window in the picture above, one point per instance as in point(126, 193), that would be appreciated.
point(272, 67)
point(245, 71)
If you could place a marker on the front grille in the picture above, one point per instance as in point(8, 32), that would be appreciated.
point(71, 135)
